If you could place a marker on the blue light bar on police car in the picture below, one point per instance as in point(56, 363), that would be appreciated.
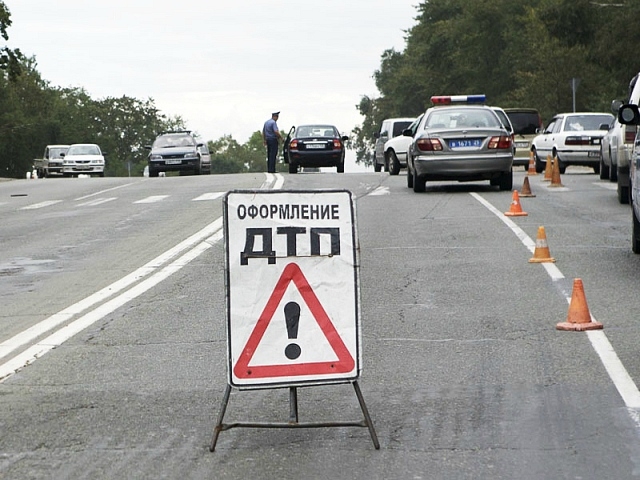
point(449, 99)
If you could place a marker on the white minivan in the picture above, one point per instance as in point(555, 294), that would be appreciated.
point(390, 128)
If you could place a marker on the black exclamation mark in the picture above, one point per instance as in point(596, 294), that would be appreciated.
point(292, 317)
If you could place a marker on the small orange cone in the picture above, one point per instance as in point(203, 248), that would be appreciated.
point(547, 169)
point(541, 253)
point(516, 209)
point(555, 174)
point(578, 318)
point(526, 189)
point(532, 165)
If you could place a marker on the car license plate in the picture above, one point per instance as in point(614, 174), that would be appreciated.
point(594, 154)
point(173, 162)
point(465, 143)
point(522, 144)
point(315, 146)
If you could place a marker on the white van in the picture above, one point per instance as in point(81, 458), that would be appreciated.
point(391, 127)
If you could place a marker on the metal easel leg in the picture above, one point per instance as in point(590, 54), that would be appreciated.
point(367, 418)
point(293, 405)
point(223, 409)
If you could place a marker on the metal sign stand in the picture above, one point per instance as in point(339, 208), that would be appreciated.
point(293, 418)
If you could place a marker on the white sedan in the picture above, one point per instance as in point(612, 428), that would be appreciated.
point(574, 138)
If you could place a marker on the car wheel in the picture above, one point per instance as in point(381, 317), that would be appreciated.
point(293, 168)
point(614, 173)
point(596, 169)
point(506, 181)
point(635, 234)
point(409, 178)
point(153, 172)
point(340, 167)
point(394, 164)
point(539, 165)
point(419, 183)
point(604, 169)
point(376, 166)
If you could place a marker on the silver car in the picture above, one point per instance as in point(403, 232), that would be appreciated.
point(459, 140)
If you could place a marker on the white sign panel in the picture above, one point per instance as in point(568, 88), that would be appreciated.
point(292, 288)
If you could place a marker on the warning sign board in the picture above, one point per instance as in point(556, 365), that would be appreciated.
point(293, 310)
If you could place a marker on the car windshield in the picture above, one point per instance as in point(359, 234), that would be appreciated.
point(174, 141)
point(55, 152)
point(462, 118)
point(83, 150)
point(524, 123)
point(578, 123)
point(316, 131)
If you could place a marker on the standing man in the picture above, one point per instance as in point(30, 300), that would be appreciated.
point(270, 137)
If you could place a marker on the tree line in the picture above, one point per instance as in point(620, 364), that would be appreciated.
point(522, 53)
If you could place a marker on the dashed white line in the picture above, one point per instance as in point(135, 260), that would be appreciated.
point(41, 205)
point(208, 196)
point(152, 199)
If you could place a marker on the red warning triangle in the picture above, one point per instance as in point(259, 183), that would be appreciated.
point(345, 362)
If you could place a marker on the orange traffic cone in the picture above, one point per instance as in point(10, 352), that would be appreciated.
point(532, 165)
point(516, 209)
point(526, 189)
point(547, 169)
point(555, 174)
point(541, 253)
point(578, 318)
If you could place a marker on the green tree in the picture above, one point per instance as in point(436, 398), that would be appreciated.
point(9, 59)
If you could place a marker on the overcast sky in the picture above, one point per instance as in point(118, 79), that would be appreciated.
point(223, 65)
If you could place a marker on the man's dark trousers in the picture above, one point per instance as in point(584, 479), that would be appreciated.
point(272, 153)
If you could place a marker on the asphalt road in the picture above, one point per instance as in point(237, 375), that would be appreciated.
point(114, 349)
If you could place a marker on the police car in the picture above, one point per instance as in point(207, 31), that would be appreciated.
point(460, 139)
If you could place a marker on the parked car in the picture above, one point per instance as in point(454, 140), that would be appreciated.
point(317, 145)
point(506, 123)
point(83, 158)
point(178, 151)
point(390, 128)
point(622, 138)
point(460, 139)
point(395, 150)
point(574, 138)
point(51, 161)
point(630, 115)
point(527, 123)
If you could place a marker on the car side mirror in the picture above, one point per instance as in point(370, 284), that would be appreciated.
point(345, 138)
point(104, 154)
point(147, 147)
point(62, 155)
point(629, 115)
point(605, 126)
point(407, 132)
point(376, 135)
point(615, 106)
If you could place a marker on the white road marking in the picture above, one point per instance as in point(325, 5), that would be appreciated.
point(380, 191)
point(607, 186)
point(152, 199)
point(208, 196)
point(98, 201)
point(623, 382)
point(103, 191)
point(197, 243)
point(41, 205)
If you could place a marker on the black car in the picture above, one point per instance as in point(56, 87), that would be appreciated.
point(178, 152)
point(314, 146)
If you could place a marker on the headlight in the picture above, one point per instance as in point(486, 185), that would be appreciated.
point(190, 155)
point(155, 157)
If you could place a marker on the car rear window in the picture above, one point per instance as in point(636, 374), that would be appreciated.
point(578, 123)
point(399, 127)
point(524, 123)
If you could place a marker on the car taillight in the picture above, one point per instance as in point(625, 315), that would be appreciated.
point(577, 141)
point(428, 144)
point(337, 144)
point(629, 133)
point(503, 142)
point(293, 145)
